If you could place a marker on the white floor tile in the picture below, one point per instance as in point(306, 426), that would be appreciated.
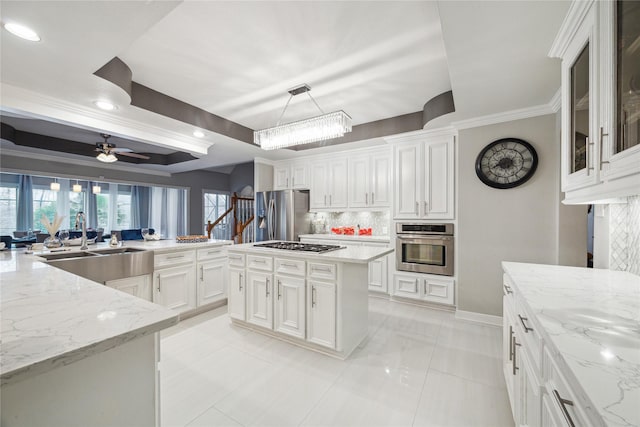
point(451, 401)
point(417, 366)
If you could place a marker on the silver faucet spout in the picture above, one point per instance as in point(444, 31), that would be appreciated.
point(83, 240)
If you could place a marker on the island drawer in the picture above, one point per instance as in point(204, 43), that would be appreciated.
point(236, 260)
point(210, 253)
point(319, 270)
point(290, 266)
point(260, 262)
point(173, 258)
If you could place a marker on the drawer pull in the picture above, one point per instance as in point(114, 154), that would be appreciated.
point(507, 289)
point(322, 269)
point(285, 264)
point(175, 257)
point(515, 344)
point(526, 328)
point(258, 261)
point(563, 406)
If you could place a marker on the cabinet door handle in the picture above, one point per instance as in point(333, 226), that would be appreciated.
point(417, 208)
point(279, 291)
point(325, 200)
point(293, 181)
point(366, 199)
point(240, 282)
point(563, 406)
point(202, 273)
point(417, 286)
point(507, 289)
point(526, 328)
point(602, 135)
point(425, 287)
point(287, 182)
point(266, 289)
point(313, 296)
point(510, 342)
point(372, 199)
point(515, 344)
point(158, 283)
point(329, 199)
point(426, 207)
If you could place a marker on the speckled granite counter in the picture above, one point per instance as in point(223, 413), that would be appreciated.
point(52, 318)
point(591, 318)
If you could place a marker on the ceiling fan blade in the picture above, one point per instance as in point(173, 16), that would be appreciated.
point(121, 150)
point(136, 155)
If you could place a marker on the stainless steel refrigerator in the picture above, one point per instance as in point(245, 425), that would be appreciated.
point(282, 215)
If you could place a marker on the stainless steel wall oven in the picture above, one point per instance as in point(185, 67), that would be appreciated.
point(424, 248)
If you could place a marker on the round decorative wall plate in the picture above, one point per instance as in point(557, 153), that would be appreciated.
point(506, 163)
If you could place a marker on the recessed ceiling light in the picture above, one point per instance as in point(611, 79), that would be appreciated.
point(22, 31)
point(105, 105)
point(198, 134)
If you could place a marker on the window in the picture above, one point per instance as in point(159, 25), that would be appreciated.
point(76, 204)
point(44, 203)
point(102, 203)
point(8, 210)
point(123, 210)
point(215, 204)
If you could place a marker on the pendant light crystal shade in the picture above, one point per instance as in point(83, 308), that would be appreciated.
point(319, 128)
point(107, 158)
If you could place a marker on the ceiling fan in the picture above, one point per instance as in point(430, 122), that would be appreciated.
point(107, 151)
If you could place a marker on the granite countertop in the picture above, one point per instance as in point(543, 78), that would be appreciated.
point(350, 254)
point(52, 318)
point(591, 319)
point(381, 239)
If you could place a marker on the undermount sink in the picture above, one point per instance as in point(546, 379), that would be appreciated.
point(103, 265)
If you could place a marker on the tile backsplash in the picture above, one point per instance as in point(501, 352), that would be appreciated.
point(378, 221)
point(624, 236)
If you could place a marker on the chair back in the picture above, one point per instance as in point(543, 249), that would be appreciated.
point(18, 234)
point(7, 241)
point(40, 237)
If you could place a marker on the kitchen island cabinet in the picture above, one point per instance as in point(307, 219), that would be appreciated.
point(571, 345)
point(71, 343)
point(318, 301)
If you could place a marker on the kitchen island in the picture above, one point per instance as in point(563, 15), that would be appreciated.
point(572, 345)
point(76, 352)
point(315, 300)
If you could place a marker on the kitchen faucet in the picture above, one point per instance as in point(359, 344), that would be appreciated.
point(83, 240)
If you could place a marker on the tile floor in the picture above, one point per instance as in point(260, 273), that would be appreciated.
point(418, 367)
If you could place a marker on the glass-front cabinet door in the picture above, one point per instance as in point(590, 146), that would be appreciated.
point(580, 111)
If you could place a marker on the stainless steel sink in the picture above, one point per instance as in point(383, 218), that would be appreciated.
point(103, 265)
point(66, 255)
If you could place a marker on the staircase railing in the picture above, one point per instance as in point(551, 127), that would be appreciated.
point(243, 215)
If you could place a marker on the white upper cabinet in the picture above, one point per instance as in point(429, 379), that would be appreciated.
point(370, 180)
point(328, 184)
point(291, 175)
point(424, 176)
point(600, 101)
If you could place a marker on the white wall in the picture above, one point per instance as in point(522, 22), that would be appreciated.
point(524, 224)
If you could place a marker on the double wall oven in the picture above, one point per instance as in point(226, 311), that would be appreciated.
point(425, 248)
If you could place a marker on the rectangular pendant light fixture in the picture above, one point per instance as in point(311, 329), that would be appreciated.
point(55, 185)
point(97, 189)
point(319, 128)
point(77, 188)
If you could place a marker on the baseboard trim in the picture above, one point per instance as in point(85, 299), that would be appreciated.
point(472, 316)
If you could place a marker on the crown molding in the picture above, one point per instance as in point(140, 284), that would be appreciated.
point(556, 100)
point(69, 162)
point(506, 116)
point(21, 100)
point(572, 20)
point(419, 134)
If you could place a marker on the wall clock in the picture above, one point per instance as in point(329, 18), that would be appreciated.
point(506, 163)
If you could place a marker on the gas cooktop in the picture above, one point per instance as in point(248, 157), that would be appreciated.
point(296, 246)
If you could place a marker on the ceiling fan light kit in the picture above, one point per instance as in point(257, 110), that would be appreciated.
point(107, 158)
point(106, 151)
point(319, 128)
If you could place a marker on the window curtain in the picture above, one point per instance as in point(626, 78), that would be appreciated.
point(182, 212)
point(25, 203)
point(92, 206)
point(168, 212)
point(113, 207)
point(135, 207)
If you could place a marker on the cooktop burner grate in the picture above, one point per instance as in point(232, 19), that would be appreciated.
point(296, 246)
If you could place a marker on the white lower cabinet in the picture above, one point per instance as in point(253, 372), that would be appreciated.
point(175, 287)
point(212, 281)
point(425, 287)
point(538, 393)
point(237, 292)
point(259, 298)
point(138, 286)
point(290, 312)
point(321, 308)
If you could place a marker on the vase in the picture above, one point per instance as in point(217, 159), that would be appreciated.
point(52, 242)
